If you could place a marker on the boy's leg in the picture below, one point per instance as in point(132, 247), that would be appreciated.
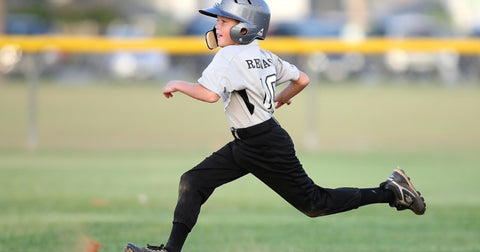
point(376, 195)
point(274, 162)
point(195, 187)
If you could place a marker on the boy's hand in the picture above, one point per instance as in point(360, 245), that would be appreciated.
point(280, 103)
point(293, 88)
point(169, 89)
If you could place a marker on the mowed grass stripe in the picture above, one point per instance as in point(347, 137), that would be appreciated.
point(52, 198)
point(340, 117)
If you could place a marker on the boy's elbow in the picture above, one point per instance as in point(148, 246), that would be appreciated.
point(307, 81)
point(303, 80)
point(212, 98)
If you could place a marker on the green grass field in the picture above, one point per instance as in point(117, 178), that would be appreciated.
point(110, 157)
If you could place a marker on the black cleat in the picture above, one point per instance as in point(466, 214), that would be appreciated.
point(406, 196)
point(130, 247)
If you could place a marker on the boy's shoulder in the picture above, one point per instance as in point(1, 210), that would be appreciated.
point(230, 53)
point(241, 51)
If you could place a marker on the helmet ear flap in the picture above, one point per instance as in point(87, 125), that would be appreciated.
point(243, 33)
point(211, 39)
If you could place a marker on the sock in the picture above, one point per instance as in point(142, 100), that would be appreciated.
point(376, 195)
point(177, 237)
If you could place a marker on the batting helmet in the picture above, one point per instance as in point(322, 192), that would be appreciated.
point(253, 17)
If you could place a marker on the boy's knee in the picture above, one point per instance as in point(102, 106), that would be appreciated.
point(313, 213)
point(185, 182)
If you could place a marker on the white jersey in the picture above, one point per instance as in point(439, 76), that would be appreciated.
point(245, 76)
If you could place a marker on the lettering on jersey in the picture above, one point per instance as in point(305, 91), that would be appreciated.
point(258, 63)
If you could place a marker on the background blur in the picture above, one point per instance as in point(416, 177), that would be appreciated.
point(305, 18)
point(91, 151)
point(39, 90)
point(349, 19)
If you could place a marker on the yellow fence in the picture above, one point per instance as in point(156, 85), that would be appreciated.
point(196, 45)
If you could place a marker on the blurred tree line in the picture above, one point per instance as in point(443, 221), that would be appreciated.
point(2, 16)
point(101, 13)
point(62, 15)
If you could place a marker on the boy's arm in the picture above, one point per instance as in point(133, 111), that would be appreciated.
point(193, 90)
point(293, 88)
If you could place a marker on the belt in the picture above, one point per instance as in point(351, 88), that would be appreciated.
point(255, 130)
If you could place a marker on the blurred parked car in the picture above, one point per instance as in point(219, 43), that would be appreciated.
point(12, 57)
point(199, 25)
point(335, 67)
point(135, 65)
point(470, 64)
point(195, 64)
point(417, 63)
point(25, 24)
point(476, 30)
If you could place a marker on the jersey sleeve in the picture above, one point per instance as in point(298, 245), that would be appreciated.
point(285, 70)
point(212, 77)
point(218, 76)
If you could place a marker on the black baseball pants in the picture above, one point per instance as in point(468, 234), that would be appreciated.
point(271, 158)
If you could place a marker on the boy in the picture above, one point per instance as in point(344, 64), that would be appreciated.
point(245, 77)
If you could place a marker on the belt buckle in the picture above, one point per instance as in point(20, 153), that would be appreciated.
point(234, 133)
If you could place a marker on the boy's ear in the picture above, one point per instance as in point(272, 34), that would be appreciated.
point(211, 39)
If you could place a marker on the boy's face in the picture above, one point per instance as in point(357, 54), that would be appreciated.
point(223, 27)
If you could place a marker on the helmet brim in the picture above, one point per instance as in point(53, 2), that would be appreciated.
point(211, 12)
point(215, 12)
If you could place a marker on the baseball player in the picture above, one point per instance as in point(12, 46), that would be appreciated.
point(245, 78)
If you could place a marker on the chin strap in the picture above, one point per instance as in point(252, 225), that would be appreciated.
point(211, 39)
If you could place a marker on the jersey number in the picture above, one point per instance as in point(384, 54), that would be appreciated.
point(269, 88)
